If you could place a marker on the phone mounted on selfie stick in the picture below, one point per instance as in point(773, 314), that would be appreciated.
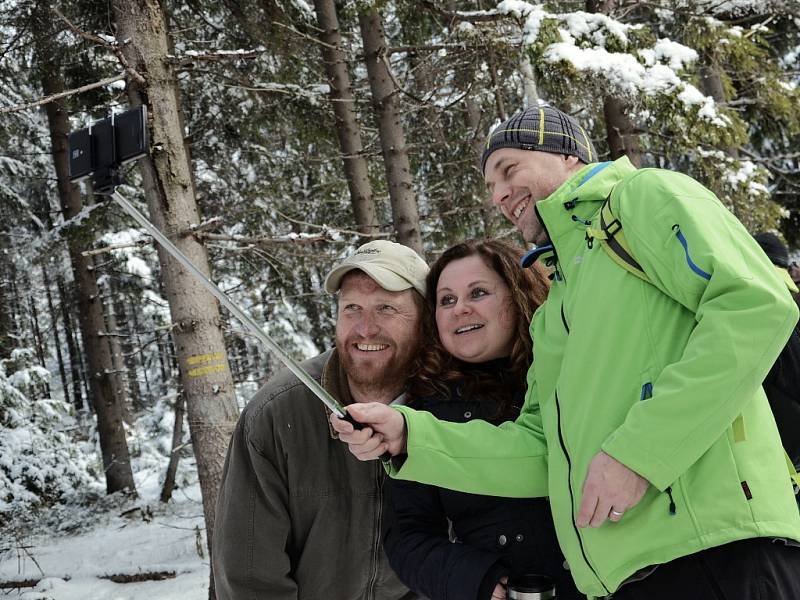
point(99, 151)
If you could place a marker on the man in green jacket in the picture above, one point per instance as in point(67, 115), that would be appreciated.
point(297, 516)
point(645, 422)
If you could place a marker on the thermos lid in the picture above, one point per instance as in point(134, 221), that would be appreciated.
point(531, 587)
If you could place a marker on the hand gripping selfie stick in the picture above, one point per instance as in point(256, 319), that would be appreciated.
point(99, 150)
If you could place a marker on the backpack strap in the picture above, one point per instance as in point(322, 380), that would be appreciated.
point(613, 241)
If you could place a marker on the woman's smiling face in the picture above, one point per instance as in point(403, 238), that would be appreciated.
point(474, 314)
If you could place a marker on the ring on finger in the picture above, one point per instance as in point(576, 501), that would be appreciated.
point(616, 513)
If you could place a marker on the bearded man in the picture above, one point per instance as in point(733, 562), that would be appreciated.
point(298, 516)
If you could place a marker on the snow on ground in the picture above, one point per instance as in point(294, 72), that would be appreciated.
point(74, 548)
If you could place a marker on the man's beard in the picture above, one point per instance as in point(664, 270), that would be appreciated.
point(378, 376)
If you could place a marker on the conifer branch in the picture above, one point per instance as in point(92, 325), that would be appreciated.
point(64, 94)
point(115, 47)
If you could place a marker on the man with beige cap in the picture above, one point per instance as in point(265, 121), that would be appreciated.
point(298, 516)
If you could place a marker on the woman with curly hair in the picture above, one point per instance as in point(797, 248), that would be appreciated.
point(445, 544)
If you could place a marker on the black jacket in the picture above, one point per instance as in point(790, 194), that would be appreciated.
point(493, 536)
point(782, 387)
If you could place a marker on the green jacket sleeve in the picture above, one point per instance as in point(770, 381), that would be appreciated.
point(477, 457)
point(695, 251)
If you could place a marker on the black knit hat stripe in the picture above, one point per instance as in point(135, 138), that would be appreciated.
point(545, 129)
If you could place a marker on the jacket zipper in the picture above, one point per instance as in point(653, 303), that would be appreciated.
point(376, 548)
point(572, 495)
point(569, 473)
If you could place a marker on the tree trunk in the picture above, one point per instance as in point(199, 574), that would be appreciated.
point(116, 459)
point(620, 132)
point(62, 371)
point(163, 365)
point(347, 128)
point(113, 337)
point(530, 89)
point(473, 114)
point(127, 350)
point(74, 353)
point(140, 352)
point(6, 317)
point(393, 143)
point(36, 331)
point(175, 452)
point(712, 84)
point(205, 375)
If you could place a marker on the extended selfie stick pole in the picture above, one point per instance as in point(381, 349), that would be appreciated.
point(243, 317)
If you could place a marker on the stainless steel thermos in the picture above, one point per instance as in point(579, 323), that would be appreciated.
point(531, 587)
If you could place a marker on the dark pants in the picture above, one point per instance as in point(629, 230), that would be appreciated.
point(755, 569)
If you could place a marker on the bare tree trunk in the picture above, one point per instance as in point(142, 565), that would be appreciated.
point(620, 132)
point(126, 348)
point(140, 352)
point(62, 371)
point(38, 344)
point(623, 140)
point(489, 215)
point(531, 92)
point(393, 143)
point(347, 128)
point(712, 84)
point(113, 338)
point(205, 374)
point(163, 362)
point(15, 309)
point(74, 353)
point(445, 198)
point(106, 400)
point(6, 317)
point(175, 452)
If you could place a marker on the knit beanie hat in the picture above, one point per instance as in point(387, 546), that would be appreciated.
point(542, 128)
point(774, 248)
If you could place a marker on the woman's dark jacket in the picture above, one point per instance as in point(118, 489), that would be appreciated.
point(493, 536)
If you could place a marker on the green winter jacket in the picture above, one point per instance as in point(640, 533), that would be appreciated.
point(664, 377)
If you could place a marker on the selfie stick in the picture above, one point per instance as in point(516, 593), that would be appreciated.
point(99, 151)
point(291, 364)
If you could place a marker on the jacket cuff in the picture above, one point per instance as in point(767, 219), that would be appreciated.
point(491, 579)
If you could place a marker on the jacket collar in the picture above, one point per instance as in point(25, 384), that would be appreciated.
point(581, 195)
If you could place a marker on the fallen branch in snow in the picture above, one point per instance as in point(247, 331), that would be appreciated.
point(23, 583)
point(137, 577)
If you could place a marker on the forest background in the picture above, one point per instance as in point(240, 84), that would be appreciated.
point(282, 135)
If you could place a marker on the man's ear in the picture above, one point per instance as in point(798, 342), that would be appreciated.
point(573, 163)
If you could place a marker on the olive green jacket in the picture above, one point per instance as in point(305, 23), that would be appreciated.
point(664, 376)
point(298, 517)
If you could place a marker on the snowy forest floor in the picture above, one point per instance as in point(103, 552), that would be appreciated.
point(74, 551)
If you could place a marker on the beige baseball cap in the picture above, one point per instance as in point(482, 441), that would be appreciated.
point(393, 266)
